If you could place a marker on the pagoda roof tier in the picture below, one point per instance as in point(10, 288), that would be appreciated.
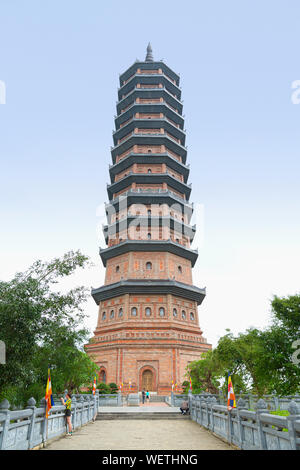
point(149, 178)
point(149, 158)
point(149, 79)
point(153, 93)
point(153, 221)
point(149, 139)
point(135, 196)
point(161, 107)
point(148, 66)
point(148, 246)
point(155, 123)
point(153, 286)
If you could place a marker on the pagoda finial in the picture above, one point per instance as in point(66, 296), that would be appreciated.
point(149, 56)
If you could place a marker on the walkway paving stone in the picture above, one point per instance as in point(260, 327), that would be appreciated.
point(140, 435)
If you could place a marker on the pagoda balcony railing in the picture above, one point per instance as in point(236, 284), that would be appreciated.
point(149, 88)
point(157, 134)
point(117, 241)
point(135, 103)
point(131, 154)
point(152, 191)
point(155, 75)
point(138, 120)
point(152, 89)
point(123, 139)
point(167, 172)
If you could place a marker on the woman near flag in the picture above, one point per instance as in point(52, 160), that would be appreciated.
point(68, 403)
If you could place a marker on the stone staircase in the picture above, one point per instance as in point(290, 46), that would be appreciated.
point(140, 414)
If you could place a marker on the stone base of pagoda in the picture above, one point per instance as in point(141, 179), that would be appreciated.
point(151, 364)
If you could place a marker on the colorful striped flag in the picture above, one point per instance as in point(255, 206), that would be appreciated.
point(172, 385)
point(94, 386)
point(48, 396)
point(121, 386)
point(191, 387)
point(231, 396)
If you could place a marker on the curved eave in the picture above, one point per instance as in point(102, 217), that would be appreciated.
point(149, 108)
point(153, 158)
point(149, 79)
point(149, 139)
point(152, 93)
point(148, 66)
point(148, 246)
point(151, 178)
point(153, 221)
point(157, 123)
point(132, 286)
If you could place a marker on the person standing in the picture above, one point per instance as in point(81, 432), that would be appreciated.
point(68, 413)
point(147, 396)
point(143, 396)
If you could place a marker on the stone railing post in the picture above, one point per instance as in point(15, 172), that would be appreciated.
point(261, 407)
point(74, 414)
point(229, 426)
point(207, 403)
point(172, 398)
point(241, 405)
point(4, 410)
point(220, 396)
point(251, 401)
point(294, 411)
point(190, 400)
point(81, 401)
point(119, 401)
point(213, 402)
point(43, 404)
point(197, 409)
point(276, 402)
point(201, 400)
point(31, 406)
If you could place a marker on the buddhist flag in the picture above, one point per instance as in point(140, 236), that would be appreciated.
point(94, 386)
point(191, 387)
point(121, 386)
point(231, 396)
point(129, 384)
point(48, 396)
point(172, 385)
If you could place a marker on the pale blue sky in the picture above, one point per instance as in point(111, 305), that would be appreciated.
point(237, 60)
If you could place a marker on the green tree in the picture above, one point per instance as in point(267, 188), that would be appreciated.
point(205, 373)
point(281, 373)
point(40, 325)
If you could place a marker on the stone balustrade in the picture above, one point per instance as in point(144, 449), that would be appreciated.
point(250, 430)
point(29, 428)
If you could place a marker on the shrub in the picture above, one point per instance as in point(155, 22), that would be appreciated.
point(103, 389)
point(113, 387)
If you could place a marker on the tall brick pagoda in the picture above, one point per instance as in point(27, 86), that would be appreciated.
point(148, 330)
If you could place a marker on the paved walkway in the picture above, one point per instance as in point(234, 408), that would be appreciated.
point(144, 434)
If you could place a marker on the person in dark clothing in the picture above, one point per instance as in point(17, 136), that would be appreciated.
point(143, 395)
point(184, 407)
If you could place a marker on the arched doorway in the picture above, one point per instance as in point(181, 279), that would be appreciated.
point(102, 376)
point(147, 380)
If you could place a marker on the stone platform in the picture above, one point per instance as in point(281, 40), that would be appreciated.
point(146, 411)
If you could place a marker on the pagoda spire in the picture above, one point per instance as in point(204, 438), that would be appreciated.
point(149, 56)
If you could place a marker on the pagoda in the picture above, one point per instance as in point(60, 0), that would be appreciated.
point(148, 328)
